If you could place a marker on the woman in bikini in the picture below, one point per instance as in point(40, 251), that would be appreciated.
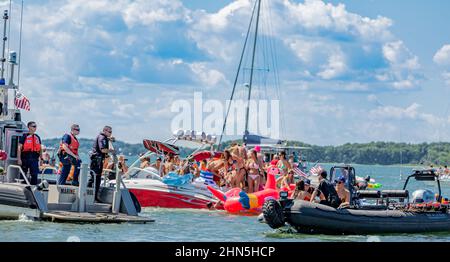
point(253, 172)
point(303, 190)
point(283, 164)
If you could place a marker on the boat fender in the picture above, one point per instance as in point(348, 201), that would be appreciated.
point(273, 214)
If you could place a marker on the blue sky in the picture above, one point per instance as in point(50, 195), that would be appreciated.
point(350, 71)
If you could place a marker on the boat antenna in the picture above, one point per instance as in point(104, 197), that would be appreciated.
point(252, 68)
point(5, 38)
point(20, 46)
point(237, 76)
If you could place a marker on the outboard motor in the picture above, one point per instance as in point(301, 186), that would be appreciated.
point(422, 196)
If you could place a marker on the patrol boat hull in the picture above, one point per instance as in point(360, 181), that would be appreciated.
point(308, 217)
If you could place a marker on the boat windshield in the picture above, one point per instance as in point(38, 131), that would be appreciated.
point(146, 173)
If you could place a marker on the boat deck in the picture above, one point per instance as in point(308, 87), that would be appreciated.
point(86, 217)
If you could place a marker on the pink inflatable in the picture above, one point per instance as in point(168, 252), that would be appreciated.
point(238, 201)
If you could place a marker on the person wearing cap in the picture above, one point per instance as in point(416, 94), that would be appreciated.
point(326, 192)
point(100, 150)
point(343, 193)
point(68, 155)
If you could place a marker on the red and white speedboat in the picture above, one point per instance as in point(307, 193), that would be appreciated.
point(152, 190)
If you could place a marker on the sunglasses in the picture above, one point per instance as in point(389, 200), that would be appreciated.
point(76, 129)
point(340, 182)
point(33, 126)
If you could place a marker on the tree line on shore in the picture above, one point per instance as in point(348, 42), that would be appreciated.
point(381, 153)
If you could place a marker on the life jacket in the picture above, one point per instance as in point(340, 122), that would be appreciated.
point(73, 146)
point(32, 144)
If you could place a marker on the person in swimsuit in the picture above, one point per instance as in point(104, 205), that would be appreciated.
point(283, 164)
point(343, 193)
point(303, 190)
point(238, 155)
point(253, 172)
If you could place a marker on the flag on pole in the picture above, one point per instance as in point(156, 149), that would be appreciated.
point(299, 172)
point(22, 102)
point(316, 170)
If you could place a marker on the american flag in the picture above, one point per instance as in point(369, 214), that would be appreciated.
point(299, 172)
point(22, 102)
point(316, 169)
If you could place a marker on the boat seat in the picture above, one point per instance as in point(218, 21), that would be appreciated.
point(368, 194)
point(395, 193)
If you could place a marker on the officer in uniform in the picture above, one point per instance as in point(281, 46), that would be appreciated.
point(68, 155)
point(99, 151)
point(29, 152)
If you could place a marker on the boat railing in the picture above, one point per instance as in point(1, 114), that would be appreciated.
point(10, 167)
point(45, 169)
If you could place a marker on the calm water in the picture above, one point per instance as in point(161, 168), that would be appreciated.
point(203, 225)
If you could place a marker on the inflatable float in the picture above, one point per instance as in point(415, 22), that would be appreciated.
point(237, 201)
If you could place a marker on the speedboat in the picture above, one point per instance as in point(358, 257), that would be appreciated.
point(426, 212)
point(171, 190)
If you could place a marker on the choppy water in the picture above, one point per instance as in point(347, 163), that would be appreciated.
point(202, 225)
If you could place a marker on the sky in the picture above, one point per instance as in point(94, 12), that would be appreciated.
point(349, 70)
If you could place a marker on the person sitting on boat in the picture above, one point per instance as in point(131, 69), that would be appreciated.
point(157, 165)
point(303, 190)
point(29, 152)
point(169, 164)
point(68, 155)
point(343, 193)
point(326, 192)
point(145, 162)
point(45, 156)
point(362, 185)
point(285, 181)
point(122, 166)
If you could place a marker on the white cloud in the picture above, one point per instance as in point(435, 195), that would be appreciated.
point(336, 66)
point(119, 60)
point(446, 76)
point(442, 56)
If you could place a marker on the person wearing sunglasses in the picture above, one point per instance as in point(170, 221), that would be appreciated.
point(343, 193)
point(29, 152)
point(68, 155)
point(99, 152)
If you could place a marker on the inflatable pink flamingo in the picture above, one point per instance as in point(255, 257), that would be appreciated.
point(237, 201)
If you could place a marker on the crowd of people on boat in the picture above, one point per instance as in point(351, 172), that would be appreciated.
point(240, 167)
point(236, 167)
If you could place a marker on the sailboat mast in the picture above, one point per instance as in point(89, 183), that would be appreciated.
point(252, 68)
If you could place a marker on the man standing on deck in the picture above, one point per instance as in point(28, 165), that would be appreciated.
point(100, 150)
point(29, 151)
point(68, 155)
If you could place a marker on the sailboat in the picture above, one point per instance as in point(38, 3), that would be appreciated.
point(255, 24)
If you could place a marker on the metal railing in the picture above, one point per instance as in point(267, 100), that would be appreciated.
point(21, 172)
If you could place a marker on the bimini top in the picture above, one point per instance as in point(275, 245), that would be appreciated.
point(160, 147)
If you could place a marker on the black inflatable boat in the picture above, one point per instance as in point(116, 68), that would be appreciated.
point(385, 216)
